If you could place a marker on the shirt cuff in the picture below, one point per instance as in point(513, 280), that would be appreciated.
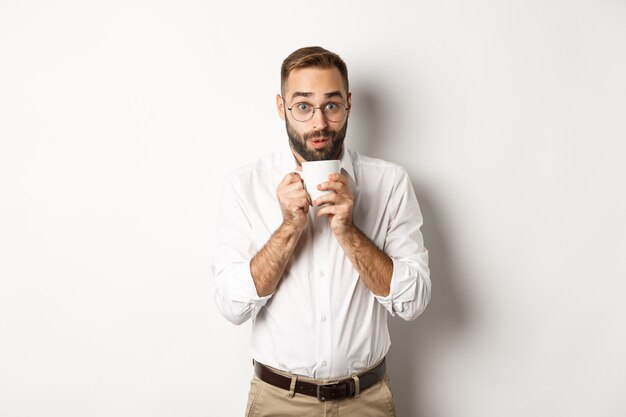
point(401, 289)
point(243, 290)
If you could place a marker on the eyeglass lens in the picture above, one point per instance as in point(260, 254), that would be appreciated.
point(334, 112)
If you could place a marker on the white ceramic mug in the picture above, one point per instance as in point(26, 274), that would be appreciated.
point(316, 172)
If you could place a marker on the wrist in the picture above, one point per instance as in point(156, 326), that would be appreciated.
point(345, 230)
point(291, 227)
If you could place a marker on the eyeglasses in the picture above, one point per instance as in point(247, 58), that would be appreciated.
point(333, 112)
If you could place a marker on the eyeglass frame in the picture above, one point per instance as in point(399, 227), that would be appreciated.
point(316, 108)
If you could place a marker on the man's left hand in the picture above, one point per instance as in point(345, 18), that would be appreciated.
point(339, 204)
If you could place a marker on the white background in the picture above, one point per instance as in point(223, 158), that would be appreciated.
point(119, 119)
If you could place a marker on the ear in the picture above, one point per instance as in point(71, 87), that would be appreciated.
point(349, 102)
point(280, 106)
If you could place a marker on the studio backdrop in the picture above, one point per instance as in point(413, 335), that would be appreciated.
point(120, 119)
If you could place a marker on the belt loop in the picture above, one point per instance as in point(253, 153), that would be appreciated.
point(292, 387)
point(357, 386)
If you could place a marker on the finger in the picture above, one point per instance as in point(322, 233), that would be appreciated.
point(290, 178)
point(291, 188)
point(338, 178)
point(295, 177)
point(293, 197)
point(294, 194)
point(326, 210)
point(335, 186)
point(334, 212)
point(304, 196)
point(330, 198)
point(297, 204)
point(286, 180)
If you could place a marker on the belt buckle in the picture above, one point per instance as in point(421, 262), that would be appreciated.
point(320, 396)
point(346, 391)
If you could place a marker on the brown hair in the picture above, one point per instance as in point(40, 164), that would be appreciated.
point(312, 56)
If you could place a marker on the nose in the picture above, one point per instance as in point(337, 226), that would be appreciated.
point(319, 119)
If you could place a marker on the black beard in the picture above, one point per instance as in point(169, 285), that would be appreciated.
point(298, 143)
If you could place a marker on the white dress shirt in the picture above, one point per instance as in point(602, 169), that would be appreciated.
point(322, 321)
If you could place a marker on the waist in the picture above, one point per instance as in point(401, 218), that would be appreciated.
point(330, 347)
point(324, 390)
point(336, 367)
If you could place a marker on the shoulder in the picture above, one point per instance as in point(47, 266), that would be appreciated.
point(263, 166)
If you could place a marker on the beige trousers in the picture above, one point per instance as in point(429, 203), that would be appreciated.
point(265, 400)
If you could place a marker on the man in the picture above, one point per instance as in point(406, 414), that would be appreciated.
point(318, 278)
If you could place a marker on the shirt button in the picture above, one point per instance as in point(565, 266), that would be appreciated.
point(324, 364)
point(323, 319)
point(321, 273)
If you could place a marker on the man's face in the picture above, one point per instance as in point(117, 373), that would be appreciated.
point(318, 138)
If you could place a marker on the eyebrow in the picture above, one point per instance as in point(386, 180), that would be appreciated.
point(334, 94)
point(304, 94)
point(301, 94)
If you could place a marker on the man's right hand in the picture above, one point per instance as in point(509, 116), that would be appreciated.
point(294, 201)
point(268, 265)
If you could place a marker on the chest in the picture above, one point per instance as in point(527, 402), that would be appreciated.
point(371, 214)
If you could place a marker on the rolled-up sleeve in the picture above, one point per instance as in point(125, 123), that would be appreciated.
point(234, 291)
point(410, 282)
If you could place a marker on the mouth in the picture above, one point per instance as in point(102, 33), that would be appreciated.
point(318, 143)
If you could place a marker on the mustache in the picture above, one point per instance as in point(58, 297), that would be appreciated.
point(324, 133)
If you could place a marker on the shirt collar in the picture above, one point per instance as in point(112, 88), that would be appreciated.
point(288, 162)
point(346, 162)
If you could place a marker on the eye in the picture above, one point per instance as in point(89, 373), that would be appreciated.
point(303, 107)
point(331, 106)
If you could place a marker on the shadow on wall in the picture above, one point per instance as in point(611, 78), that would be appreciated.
point(414, 344)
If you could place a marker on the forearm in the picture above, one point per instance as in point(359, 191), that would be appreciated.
point(269, 263)
point(372, 264)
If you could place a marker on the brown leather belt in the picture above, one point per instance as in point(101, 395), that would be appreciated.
point(323, 392)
